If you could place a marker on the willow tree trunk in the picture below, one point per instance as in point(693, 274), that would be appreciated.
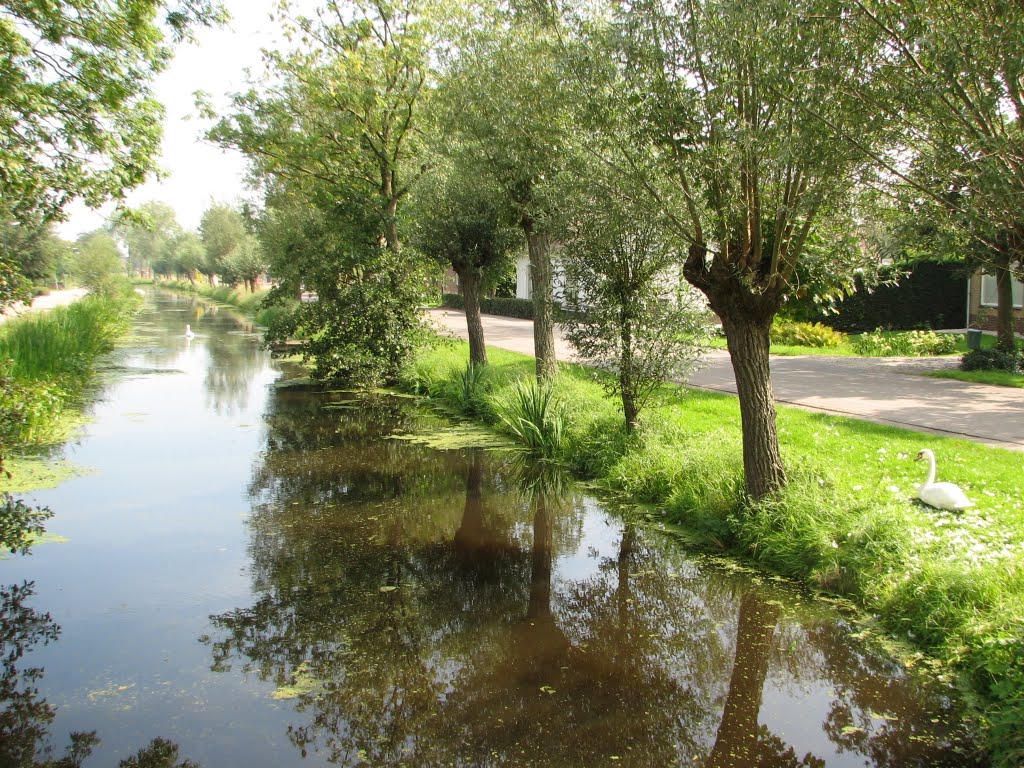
point(627, 378)
point(1005, 338)
point(469, 280)
point(748, 340)
point(539, 248)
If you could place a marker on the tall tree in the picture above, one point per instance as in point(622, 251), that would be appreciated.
point(962, 81)
point(77, 114)
point(146, 231)
point(223, 231)
point(97, 263)
point(462, 220)
point(736, 119)
point(336, 142)
point(507, 104)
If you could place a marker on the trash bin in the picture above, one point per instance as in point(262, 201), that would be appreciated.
point(973, 339)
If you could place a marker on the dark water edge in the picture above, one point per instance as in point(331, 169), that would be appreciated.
point(264, 577)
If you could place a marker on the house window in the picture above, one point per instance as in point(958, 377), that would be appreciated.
point(988, 292)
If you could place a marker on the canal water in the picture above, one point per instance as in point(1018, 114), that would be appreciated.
point(264, 576)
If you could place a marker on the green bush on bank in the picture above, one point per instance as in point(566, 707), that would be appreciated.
point(847, 524)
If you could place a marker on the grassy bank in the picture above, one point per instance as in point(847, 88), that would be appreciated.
point(950, 585)
point(48, 360)
point(241, 298)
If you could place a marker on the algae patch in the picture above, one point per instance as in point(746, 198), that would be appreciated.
point(303, 684)
point(36, 474)
point(457, 437)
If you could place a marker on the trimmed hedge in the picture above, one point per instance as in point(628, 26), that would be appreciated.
point(932, 296)
point(503, 306)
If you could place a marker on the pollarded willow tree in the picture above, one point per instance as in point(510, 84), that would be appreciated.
point(737, 119)
point(963, 114)
point(461, 219)
point(504, 92)
point(333, 136)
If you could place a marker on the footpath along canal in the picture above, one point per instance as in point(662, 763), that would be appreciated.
point(264, 576)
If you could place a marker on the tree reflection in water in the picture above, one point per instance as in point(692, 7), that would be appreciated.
point(26, 718)
point(427, 607)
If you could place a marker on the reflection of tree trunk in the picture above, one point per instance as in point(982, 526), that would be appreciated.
point(469, 280)
point(540, 572)
point(470, 534)
point(623, 594)
point(736, 743)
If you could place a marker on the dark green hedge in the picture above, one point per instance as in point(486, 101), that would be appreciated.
point(506, 307)
point(933, 295)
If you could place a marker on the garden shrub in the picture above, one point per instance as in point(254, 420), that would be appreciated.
point(790, 333)
point(910, 344)
point(993, 360)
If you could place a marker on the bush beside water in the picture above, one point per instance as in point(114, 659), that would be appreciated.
point(951, 585)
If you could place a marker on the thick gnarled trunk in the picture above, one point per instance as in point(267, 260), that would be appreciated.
point(469, 280)
point(748, 350)
point(746, 313)
point(539, 248)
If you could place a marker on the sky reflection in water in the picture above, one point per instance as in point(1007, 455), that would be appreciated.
point(266, 581)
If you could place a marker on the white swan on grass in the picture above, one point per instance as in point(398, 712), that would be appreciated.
point(188, 332)
point(940, 495)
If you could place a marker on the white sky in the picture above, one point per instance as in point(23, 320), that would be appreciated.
point(198, 173)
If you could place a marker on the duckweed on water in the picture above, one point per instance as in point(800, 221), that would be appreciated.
point(457, 437)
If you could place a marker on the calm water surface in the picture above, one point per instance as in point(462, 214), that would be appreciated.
point(264, 578)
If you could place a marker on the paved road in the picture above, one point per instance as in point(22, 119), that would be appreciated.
point(884, 390)
point(49, 301)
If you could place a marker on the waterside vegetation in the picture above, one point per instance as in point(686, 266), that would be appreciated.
point(848, 523)
point(47, 365)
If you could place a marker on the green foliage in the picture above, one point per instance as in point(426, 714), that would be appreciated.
point(880, 343)
point(993, 360)
point(532, 415)
point(97, 264)
point(805, 334)
point(79, 119)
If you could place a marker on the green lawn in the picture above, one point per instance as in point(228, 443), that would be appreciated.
point(847, 524)
point(995, 378)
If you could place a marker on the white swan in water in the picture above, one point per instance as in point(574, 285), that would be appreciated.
point(940, 495)
point(188, 332)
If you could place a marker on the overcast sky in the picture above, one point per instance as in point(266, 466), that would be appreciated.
point(198, 172)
